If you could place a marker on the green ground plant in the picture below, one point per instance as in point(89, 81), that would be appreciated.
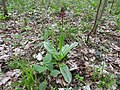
point(14, 63)
point(105, 80)
point(54, 59)
point(79, 78)
point(2, 17)
point(27, 76)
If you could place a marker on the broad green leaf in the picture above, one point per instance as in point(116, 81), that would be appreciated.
point(43, 85)
point(61, 42)
point(50, 66)
point(47, 58)
point(54, 73)
point(49, 47)
point(65, 72)
point(56, 56)
point(73, 45)
point(66, 49)
point(19, 89)
point(39, 68)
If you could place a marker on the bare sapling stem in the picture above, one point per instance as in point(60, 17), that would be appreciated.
point(93, 31)
point(103, 9)
point(113, 1)
point(5, 12)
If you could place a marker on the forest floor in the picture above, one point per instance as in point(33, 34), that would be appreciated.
point(22, 38)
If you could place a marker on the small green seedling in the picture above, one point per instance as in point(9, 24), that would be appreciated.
point(79, 78)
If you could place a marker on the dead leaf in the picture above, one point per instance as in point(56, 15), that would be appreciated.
point(5, 80)
point(39, 57)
